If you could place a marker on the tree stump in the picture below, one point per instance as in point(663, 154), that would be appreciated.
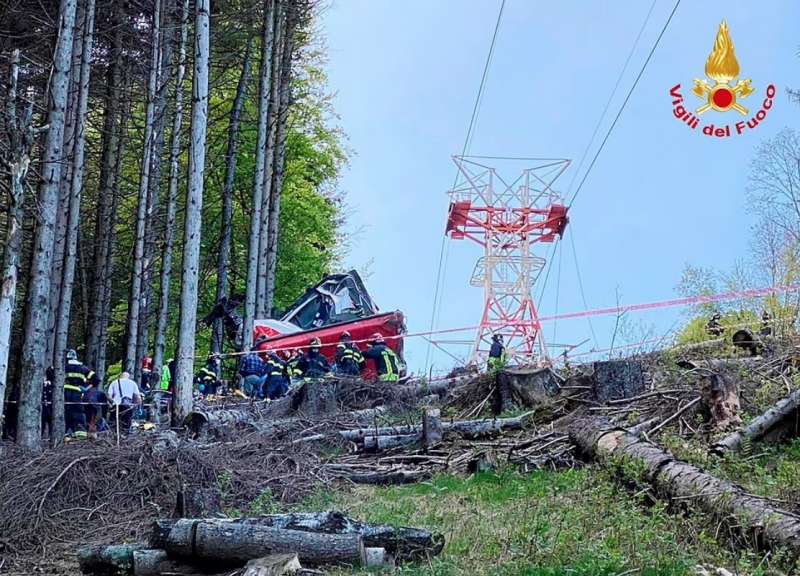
point(617, 379)
point(431, 428)
point(274, 565)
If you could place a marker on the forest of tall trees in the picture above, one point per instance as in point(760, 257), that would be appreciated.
point(155, 156)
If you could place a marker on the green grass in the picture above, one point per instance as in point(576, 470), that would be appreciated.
point(576, 522)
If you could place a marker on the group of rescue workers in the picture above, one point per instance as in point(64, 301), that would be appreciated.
point(271, 378)
point(90, 408)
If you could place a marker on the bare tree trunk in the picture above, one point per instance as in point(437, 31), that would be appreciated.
point(107, 189)
point(194, 205)
point(227, 193)
point(76, 187)
point(251, 293)
point(20, 134)
point(33, 348)
point(262, 311)
point(141, 211)
point(62, 212)
point(276, 187)
point(164, 75)
point(172, 198)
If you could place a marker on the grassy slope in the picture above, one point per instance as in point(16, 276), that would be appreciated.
point(577, 522)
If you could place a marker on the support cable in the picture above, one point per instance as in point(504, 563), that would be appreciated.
point(625, 102)
point(443, 250)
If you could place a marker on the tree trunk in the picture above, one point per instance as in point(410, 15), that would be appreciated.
point(264, 92)
point(144, 188)
point(235, 543)
point(276, 187)
point(100, 365)
point(402, 542)
point(778, 418)
point(34, 347)
point(279, 23)
point(194, 206)
point(20, 134)
point(172, 196)
point(62, 212)
point(227, 194)
point(105, 221)
point(756, 519)
point(154, 194)
point(73, 220)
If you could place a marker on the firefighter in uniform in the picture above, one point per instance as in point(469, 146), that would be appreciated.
point(349, 360)
point(497, 353)
point(276, 382)
point(314, 364)
point(77, 378)
point(293, 358)
point(387, 362)
point(207, 377)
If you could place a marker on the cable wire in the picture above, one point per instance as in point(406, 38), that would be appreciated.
point(580, 285)
point(467, 142)
point(611, 96)
point(625, 102)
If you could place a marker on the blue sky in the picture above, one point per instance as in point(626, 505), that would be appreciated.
point(661, 195)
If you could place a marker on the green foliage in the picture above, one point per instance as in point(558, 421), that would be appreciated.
point(264, 504)
point(695, 330)
point(544, 523)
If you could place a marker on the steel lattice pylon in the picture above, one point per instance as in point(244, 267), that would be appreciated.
point(509, 219)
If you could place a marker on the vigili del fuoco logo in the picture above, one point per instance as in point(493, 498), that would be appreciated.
point(723, 92)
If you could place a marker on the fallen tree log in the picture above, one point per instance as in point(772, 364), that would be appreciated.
point(380, 443)
point(756, 519)
point(468, 428)
point(402, 542)
point(233, 544)
point(108, 559)
point(781, 418)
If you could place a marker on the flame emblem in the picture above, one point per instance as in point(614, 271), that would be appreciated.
point(722, 67)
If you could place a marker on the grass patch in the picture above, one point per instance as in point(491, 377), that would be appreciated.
point(577, 522)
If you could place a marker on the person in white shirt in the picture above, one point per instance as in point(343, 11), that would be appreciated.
point(124, 395)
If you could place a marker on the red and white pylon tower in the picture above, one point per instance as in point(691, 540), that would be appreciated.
point(509, 218)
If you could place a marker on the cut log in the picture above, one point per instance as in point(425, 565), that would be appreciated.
point(524, 388)
point(149, 562)
point(378, 558)
point(761, 523)
point(781, 419)
point(390, 478)
point(274, 565)
point(469, 428)
point(108, 559)
point(617, 379)
point(318, 398)
point(401, 542)
point(482, 462)
point(235, 543)
point(380, 443)
point(431, 428)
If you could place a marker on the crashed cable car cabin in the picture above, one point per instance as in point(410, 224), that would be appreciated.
point(339, 303)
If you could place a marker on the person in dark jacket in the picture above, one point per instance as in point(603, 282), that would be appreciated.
point(387, 362)
point(96, 408)
point(497, 353)
point(206, 378)
point(349, 360)
point(77, 379)
point(276, 377)
point(314, 364)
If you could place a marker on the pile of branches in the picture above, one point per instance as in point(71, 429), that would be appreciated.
point(96, 491)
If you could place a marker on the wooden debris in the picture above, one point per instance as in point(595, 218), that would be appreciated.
point(235, 543)
point(780, 419)
point(432, 431)
point(273, 565)
point(755, 518)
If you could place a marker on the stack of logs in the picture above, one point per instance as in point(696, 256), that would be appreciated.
point(267, 545)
